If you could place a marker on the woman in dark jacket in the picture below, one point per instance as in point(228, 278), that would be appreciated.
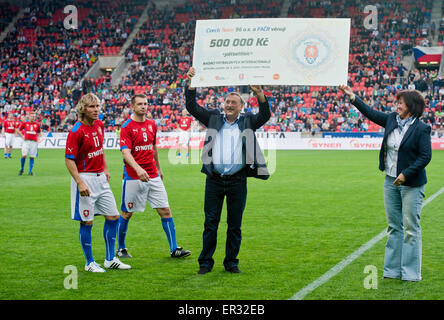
point(405, 152)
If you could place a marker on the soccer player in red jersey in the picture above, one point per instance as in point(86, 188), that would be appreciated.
point(90, 191)
point(30, 132)
point(8, 131)
point(184, 132)
point(142, 176)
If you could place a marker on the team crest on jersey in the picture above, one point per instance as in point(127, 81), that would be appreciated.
point(86, 213)
point(100, 130)
point(150, 128)
point(130, 205)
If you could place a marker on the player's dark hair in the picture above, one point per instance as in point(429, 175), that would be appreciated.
point(139, 95)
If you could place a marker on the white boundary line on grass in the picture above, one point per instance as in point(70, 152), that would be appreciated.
point(345, 262)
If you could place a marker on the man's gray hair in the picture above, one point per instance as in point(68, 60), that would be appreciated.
point(236, 94)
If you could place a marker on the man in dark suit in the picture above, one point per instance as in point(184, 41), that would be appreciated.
point(230, 155)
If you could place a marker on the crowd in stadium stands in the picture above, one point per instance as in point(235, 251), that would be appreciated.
point(41, 62)
point(7, 13)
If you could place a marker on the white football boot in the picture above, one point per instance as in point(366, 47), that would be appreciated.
point(94, 267)
point(116, 264)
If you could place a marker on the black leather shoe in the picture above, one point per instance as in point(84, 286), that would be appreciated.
point(234, 270)
point(203, 270)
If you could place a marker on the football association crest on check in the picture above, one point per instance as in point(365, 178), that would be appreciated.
point(311, 51)
point(130, 205)
point(85, 213)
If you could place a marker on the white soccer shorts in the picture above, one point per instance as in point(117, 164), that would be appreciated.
point(100, 202)
point(184, 138)
point(9, 139)
point(136, 193)
point(29, 148)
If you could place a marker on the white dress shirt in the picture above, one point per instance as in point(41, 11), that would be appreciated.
point(393, 141)
point(227, 149)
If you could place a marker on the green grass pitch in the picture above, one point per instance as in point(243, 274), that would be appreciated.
point(316, 209)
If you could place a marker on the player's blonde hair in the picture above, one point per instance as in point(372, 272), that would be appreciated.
point(86, 100)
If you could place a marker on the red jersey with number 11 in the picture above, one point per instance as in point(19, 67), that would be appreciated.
point(84, 145)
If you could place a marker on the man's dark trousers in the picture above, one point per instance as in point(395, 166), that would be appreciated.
point(234, 188)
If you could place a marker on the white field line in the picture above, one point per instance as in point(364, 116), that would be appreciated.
point(352, 257)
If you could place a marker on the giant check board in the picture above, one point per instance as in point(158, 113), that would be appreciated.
point(280, 51)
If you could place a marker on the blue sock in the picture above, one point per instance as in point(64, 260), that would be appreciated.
point(31, 164)
point(170, 231)
point(85, 241)
point(22, 162)
point(109, 233)
point(121, 232)
point(9, 155)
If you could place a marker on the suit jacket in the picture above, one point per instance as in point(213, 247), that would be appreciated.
point(248, 123)
point(415, 150)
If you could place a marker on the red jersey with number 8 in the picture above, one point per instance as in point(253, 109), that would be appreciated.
point(84, 145)
point(140, 138)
